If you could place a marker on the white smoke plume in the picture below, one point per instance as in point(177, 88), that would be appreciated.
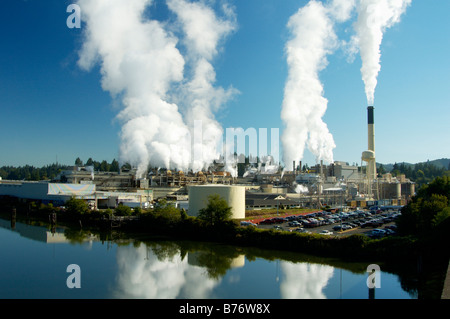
point(300, 188)
point(204, 32)
point(313, 38)
point(142, 65)
point(374, 17)
point(139, 63)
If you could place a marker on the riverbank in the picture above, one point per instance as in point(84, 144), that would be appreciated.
point(420, 260)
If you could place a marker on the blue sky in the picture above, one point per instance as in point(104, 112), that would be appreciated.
point(52, 110)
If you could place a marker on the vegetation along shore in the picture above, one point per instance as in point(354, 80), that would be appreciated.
point(423, 238)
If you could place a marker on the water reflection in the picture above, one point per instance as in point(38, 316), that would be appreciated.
point(304, 280)
point(144, 274)
point(147, 272)
point(128, 268)
point(49, 235)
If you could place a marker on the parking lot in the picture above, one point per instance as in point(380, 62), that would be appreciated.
point(337, 224)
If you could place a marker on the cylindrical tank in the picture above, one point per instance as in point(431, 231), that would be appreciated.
point(368, 156)
point(412, 189)
point(399, 191)
point(234, 195)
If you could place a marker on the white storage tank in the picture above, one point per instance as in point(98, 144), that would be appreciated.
point(234, 195)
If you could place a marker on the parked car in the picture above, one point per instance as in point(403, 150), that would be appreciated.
point(294, 224)
point(361, 214)
point(389, 231)
point(306, 223)
point(388, 219)
point(277, 227)
point(267, 221)
point(392, 227)
point(244, 223)
point(377, 223)
point(278, 220)
point(326, 232)
point(372, 223)
point(337, 227)
point(377, 233)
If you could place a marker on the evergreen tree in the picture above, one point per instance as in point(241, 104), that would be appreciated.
point(78, 162)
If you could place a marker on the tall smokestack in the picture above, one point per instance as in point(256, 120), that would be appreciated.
point(371, 140)
point(371, 129)
point(369, 155)
point(321, 168)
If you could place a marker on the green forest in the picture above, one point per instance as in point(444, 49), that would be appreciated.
point(420, 173)
point(49, 172)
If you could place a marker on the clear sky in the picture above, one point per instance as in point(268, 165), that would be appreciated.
point(52, 110)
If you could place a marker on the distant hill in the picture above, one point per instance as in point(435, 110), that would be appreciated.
point(439, 163)
point(443, 162)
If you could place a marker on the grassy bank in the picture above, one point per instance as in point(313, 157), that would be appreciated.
point(267, 213)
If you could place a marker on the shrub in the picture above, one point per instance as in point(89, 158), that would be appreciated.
point(75, 206)
point(216, 212)
point(123, 210)
point(137, 211)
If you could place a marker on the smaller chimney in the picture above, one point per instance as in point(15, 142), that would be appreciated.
point(321, 168)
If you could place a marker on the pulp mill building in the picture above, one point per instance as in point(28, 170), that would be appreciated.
point(336, 184)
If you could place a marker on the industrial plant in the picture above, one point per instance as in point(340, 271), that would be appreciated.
point(337, 184)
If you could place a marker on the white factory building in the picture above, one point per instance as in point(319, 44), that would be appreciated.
point(59, 193)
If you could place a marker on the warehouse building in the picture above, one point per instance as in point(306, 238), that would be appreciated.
point(59, 193)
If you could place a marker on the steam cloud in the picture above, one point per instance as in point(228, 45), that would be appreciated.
point(313, 38)
point(142, 65)
point(169, 99)
point(204, 31)
point(374, 17)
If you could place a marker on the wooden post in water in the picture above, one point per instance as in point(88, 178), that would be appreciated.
point(52, 218)
point(372, 293)
point(13, 218)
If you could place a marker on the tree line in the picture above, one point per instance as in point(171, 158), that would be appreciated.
point(102, 166)
point(31, 173)
point(49, 172)
point(429, 211)
point(420, 173)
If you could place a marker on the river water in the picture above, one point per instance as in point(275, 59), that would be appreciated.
point(34, 264)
